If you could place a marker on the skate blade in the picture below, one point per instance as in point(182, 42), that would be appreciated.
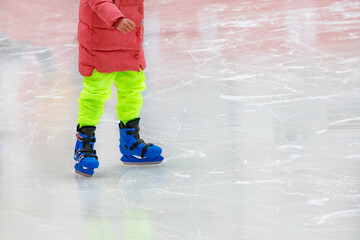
point(142, 163)
point(83, 174)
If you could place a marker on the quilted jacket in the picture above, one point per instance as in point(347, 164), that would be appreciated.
point(101, 45)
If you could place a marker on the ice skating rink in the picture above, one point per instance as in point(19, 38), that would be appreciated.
point(256, 105)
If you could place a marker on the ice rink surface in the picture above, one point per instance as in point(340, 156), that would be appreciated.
point(256, 105)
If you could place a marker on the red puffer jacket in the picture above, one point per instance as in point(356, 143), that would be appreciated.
point(101, 45)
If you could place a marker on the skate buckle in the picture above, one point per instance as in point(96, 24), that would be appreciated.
point(79, 137)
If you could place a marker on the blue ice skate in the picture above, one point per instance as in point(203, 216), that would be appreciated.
point(85, 155)
point(135, 151)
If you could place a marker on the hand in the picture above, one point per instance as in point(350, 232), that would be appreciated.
point(126, 26)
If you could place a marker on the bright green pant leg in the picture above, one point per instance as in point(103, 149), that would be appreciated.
point(97, 90)
point(129, 87)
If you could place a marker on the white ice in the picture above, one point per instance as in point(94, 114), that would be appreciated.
point(256, 105)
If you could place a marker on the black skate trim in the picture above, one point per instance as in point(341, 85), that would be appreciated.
point(82, 139)
point(87, 151)
point(144, 149)
point(134, 130)
point(131, 132)
point(134, 145)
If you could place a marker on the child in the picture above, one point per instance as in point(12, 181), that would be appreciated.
point(110, 36)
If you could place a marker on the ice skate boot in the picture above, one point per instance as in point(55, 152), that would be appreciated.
point(85, 155)
point(135, 151)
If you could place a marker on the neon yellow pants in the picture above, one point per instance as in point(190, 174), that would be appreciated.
point(97, 90)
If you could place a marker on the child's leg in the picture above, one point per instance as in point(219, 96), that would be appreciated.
point(96, 91)
point(134, 149)
point(129, 87)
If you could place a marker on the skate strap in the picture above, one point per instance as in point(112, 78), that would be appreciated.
point(85, 139)
point(88, 152)
point(134, 145)
point(131, 132)
point(144, 149)
point(135, 132)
